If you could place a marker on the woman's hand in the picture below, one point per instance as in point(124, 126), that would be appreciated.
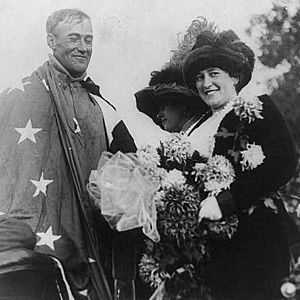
point(210, 209)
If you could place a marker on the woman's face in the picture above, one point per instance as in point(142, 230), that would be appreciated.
point(172, 116)
point(215, 87)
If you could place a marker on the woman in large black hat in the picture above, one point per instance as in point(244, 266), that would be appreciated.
point(170, 104)
point(252, 134)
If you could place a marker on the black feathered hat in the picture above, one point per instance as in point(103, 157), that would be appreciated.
point(223, 50)
point(166, 85)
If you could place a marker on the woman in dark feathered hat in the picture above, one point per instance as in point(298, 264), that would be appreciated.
point(167, 100)
point(252, 134)
point(169, 103)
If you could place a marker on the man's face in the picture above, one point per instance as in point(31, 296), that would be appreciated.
point(72, 45)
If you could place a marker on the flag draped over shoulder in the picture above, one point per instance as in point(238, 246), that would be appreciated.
point(43, 172)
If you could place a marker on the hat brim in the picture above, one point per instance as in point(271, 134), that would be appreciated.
point(147, 101)
point(146, 104)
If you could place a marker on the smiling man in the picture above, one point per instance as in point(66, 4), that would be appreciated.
point(71, 41)
point(56, 126)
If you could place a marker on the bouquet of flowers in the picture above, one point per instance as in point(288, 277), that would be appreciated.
point(161, 190)
point(172, 266)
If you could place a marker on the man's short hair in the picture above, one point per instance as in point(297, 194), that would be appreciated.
point(65, 15)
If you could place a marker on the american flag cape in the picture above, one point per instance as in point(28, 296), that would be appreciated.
point(41, 181)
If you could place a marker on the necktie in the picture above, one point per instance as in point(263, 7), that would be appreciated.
point(94, 89)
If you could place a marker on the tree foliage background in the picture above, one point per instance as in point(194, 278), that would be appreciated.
point(278, 37)
point(279, 40)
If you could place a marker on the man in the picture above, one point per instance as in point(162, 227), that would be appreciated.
point(53, 131)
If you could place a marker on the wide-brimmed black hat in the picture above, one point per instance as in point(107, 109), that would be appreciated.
point(166, 85)
point(223, 50)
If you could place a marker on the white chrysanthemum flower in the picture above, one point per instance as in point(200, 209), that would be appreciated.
point(248, 109)
point(177, 147)
point(252, 157)
point(173, 177)
point(148, 155)
point(158, 197)
point(150, 161)
point(217, 174)
point(154, 173)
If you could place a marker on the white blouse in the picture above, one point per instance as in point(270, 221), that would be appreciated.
point(203, 137)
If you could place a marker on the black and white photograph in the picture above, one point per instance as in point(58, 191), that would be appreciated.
point(150, 150)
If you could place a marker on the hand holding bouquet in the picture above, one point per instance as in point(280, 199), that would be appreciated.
point(163, 190)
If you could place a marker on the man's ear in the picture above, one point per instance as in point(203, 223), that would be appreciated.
point(51, 41)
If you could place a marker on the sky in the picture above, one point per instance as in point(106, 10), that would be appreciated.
point(132, 38)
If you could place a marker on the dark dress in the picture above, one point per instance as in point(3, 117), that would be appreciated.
point(253, 263)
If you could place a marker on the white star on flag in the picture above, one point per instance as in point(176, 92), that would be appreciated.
point(41, 185)
point(84, 292)
point(28, 132)
point(2, 213)
point(91, 260)
point(20, 86)
point(47, 238)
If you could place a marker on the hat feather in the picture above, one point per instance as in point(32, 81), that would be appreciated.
point(186, 44)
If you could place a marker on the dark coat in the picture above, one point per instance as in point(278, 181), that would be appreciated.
point(252, 265)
